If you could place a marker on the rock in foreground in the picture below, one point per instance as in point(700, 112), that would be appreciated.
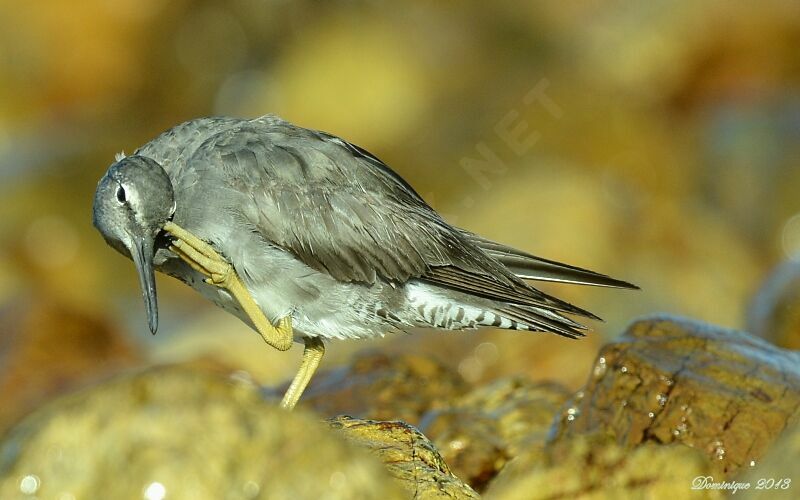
point(669, 380)
point(179, 433)
point(493, 423)
point(382, 387)
point(775, 476)
point(409, 456)
point(596, 467)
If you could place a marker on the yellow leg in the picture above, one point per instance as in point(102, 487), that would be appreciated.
point(204, 259)
point(312, 355)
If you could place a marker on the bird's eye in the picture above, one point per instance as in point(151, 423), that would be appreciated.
point(121, 194)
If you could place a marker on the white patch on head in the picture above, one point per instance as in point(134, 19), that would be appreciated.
point(120, 156)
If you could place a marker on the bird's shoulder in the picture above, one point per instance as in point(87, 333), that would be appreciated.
point(173, 147)
point(272, 153)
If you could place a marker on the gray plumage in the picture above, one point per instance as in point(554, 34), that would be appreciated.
point(323, 230)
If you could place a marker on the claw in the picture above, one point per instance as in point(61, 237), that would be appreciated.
point(201, 257)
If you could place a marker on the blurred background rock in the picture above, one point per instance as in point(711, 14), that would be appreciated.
point(653, 141)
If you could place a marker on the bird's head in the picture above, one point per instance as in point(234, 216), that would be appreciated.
point(133, 201)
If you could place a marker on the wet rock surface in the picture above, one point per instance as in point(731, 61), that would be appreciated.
point(409, 456)
point(597, 467)
point(470, 444)
point(670, 380)
point(182, 433)
point(48, 348)
point(775, 475)
point(491, 424)
point(382, 387)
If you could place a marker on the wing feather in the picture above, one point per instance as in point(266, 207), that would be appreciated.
point(530, 267)
point(342, 211)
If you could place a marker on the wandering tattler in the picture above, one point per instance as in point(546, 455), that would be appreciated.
point(305, 236)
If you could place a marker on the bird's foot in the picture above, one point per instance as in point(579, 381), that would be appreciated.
point(201, 257)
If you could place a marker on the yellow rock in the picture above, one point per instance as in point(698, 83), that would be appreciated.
point(493, 424)
point(409, 456)
point(182, 433)
point(674, 380)
point(594, 467)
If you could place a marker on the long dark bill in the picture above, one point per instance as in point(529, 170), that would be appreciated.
point(142, 254)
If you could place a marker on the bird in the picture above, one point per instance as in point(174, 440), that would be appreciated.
point(307, 237)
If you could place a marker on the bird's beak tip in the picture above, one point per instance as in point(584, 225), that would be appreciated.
point(153, 324)
point(142, 253)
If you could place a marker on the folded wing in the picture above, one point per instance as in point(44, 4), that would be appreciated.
point(342, 211)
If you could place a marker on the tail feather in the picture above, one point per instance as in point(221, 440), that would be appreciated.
point(481, 286)
point(530, 267)
point(483, 300)
point(536, 319)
